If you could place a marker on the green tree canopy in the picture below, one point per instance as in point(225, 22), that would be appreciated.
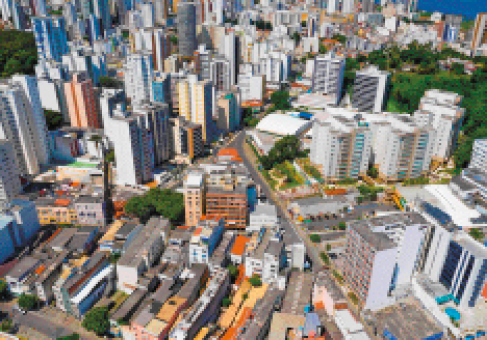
point(18, 53)
point(109, 82)
point(255, 281)
point(28, 301)
point(54, 120)
point(96, 320)
point(4, 292)
point(280, 100)
point(157, 202)
point(315, 238)
point(287, 148)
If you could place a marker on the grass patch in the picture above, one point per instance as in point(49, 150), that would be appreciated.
point(294, 179)
point(353, 297)
point(324, 256)
point(269, 180)
point(315, 238)
point(416, 181)
point(338, 276)
point(118, 298)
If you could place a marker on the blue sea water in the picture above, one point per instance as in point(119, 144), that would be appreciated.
point(467, 8)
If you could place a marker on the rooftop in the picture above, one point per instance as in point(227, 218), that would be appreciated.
point(283, 125)
point(239, 245)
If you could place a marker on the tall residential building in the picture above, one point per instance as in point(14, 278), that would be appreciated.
point(441, 110)
point(17, 125)
point(139, 73)
point(187, 139)
point(9, 174)
point(251, 86)
point(220, 73)
point(133, 143)
point(81, 100)
point(154, 41)
point(194, 197)
point(94, 64)
point(19, 16)
point(39, 7)
point(37, 120)
point(348, 7)
point(7, 9)
point(228, 110)
point(479, 154)
point(186, 17)
point(389, 252)
point(370, 89)
point(161, 88)
point(230, 49)
point(479, 31)
point(332, 6)
point(402, 149)
point(50, 36)
point(341, 146)
point(327, 79)
point(368, 6)
point(196, 100)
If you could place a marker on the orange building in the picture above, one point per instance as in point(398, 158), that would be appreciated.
point(81, 102)
point(229, 202)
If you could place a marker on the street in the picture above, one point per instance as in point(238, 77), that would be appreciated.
point(292, 232)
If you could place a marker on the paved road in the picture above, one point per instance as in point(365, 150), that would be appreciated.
point(292, 232)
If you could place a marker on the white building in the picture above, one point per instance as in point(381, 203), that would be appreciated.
point(133, 143)
point(154, 41)
point(9, 174)
point(37, 121)
point(204, 240)
point(264, 215)
point(327, 79)
point(369, 89)
point(391, 251)
point(221, 73)
point(341, 146)
point(251, 86)
point(479, 154)
point(441, 110)
point(17, 124)
point(275, 66)
point(139, 73)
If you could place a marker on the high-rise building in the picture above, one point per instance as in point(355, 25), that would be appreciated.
point(160, 11)
point(139, 73)
point(37, 119)
point(228, 109)
point(479, 154)
point(7, 9)
point(327, 79)
point(187, 139)
point(194, 197)
point(332, 6)
point(39, 7)
point(230, 51)
point(155, 42)
point(368, 6)
point(81, 101)
point(161, 88)
point(441, 110)
point(341, 146)
point(196, 101)
point(17, 124)
point(19, 16)
point(94, 64)
point(186, 16)
point(133, 142)
point(390, 248)
point(479, 31)
point(370, 89)
point(348, 7)
point(9, 174)
point(220, 73)
point(50, 36)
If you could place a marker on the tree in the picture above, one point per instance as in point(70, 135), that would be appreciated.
point(315, 238)
point(4, 292)
point(340, 38)
point(458, 69)
point(280, 100)
point(286, 149)
point(342, 225)
point(296, 37)
point(255, 281)
point(109, 82)
point(157, 202)
point(233, 271)
point(245, 296)
point(73, 336)
point(328, 247)
point(323, 49)
point(226, 302)
point(28, 301)
point(6, 326)
point(111, 156)
point(96, 320)
point(174, 39)
point(18, 53)
point(476, 234)
point(54, 120)
point(373, 172)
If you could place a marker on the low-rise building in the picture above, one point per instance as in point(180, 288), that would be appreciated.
point(205, 309)
point(143, 251)
point(264, 215)
point(90, 211)
point(205, 239)
point(59, 211)
point(327, 293)
point(17, 277)
point(238, 249)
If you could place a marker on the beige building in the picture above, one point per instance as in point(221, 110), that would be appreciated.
point(194, 198)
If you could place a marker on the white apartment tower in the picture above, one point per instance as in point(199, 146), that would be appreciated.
point(479, 154)
point(196, 104)
point(139, 73)
point(132, 140)
point(441, 110)
point(369, 89)
point(17, 125)
point(328, 72)
point(341, 146)
point(37, 121)
point(9, 174)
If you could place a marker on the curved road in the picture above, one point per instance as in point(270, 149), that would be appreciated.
point(292, 232)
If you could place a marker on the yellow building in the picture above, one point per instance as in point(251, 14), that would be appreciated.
point(56, 211)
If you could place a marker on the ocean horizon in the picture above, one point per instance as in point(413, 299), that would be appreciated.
point(467, 8)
